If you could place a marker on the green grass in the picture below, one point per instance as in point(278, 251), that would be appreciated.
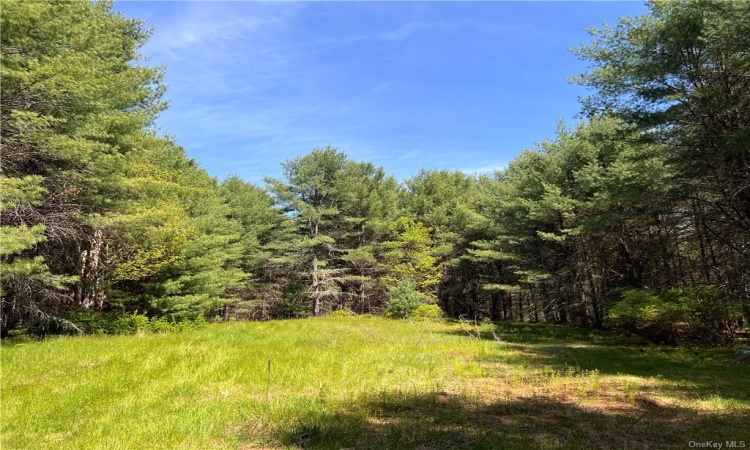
point(366, 382)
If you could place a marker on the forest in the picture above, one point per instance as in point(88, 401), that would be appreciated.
point(635, 219)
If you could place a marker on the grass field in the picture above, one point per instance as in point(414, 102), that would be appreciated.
point(369, 383)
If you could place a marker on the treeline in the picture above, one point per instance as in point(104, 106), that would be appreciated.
point(636, 218)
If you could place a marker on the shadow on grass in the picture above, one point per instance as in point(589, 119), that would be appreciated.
point(692, 372)
point(442, 421)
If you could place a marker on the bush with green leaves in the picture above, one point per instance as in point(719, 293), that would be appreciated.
point(427, 312)
point(677, 315)
point(405, 298)
point(85, 321)
point(91, 322)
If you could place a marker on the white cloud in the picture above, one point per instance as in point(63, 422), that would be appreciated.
point(203, 25)
point(248, 92)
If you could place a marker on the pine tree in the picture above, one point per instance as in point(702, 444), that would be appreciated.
point(71, 96)
point(337, 205)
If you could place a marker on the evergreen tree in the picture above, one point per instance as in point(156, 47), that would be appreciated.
point(264, 229)
point(448, 203)
point(98, 211)
point(333, 202)
point(71, 95)
point(176, 250)
point(681, 74)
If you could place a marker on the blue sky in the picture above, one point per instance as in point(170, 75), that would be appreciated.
point(405, 85)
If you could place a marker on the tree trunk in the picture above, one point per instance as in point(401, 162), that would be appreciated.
point(90, 292)
point(594, 296)
point(315, 287)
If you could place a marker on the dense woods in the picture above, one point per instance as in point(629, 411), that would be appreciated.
point(636, 218)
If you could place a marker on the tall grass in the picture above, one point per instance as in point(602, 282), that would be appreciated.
point(363, 382)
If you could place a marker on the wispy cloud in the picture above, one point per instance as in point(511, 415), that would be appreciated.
point(252, 84)
point(202, 26)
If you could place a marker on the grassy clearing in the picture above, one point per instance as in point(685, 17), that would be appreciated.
point(367, 382)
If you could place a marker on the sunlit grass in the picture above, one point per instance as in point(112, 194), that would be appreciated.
point(366, 382)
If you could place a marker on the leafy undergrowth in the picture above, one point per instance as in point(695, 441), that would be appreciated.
point(365, 382)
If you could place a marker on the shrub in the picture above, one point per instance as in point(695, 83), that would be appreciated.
point(427, 312)
point(405, 298)
point(161, 325)
point(87, 321)
point(91, 322)
point(137, 322)
point(677, 315)
point(194, 324)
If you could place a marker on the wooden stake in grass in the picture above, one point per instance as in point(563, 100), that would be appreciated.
point(646, 403)
point(637, 420)
point(268, 383)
